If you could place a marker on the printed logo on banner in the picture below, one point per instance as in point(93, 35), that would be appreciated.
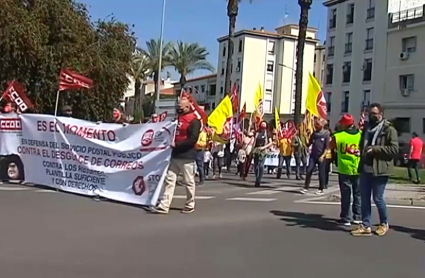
point(147, 137)
point(139, 186)
point(11, 125)
point(158, 138)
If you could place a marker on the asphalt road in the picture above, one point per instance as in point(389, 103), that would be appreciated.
point(236, 231)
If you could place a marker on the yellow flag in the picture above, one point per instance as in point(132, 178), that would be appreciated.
point(258, 99)
point(315, 102)
point(219, 116)
point(277, 119)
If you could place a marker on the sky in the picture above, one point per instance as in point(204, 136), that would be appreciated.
point(202, 21)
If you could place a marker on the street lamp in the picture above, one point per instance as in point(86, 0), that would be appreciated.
point(161, 39)
point(303, 23)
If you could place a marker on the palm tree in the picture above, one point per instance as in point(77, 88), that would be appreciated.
point(232, 13)
point(139, 70)
point(186, 58)
point(303, 23)
point(151, 53)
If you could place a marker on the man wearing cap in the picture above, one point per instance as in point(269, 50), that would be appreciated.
point(346, 144)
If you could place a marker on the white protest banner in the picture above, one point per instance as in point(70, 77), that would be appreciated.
point(272, 159)
point(122, 163)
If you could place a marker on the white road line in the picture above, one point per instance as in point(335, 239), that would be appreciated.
point(389, 206)
point(263, 192)
point(309, 200)
point(196, 197)
point(46, 191)
point(10, 188)
point(251, 199)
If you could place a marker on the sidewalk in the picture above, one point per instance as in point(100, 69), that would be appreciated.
point(398, 194)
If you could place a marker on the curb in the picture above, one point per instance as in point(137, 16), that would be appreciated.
point(399, 202)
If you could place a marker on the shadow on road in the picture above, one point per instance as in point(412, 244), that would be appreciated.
point(309, 220)
point(414, 233)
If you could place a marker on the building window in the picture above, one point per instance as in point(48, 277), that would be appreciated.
point(369, 38)
point(423, 125)
point(367, 70)
point(240, 45)
point(270, 47)
point(223, 66)
point(345, 102)
point(349, 43)
point(328, 97)
point(350, 14)
point(212, 90)
point(267, 105)
point(213, 106)
point(407, 82)
point(408, 44)
point(366, 99)
point(332, 21)
point(269, 85)
point(270, 66)
point(370, 9)
point(231, 68)
point(402, 124)
point(331, 47)
point(346, 72)
point(202, 88)
point(329, 73)
point(224, 51)
point(238, 67)
point(221, 90)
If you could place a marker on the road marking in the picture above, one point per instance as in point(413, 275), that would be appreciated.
point(196, 197)
point(46, 191)
point(263, 192)
point(251, 199)
point(389, 206)
point(309, 200)
point(10, 188)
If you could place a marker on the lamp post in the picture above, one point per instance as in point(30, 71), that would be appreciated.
point(161, 40)
point(303, 24)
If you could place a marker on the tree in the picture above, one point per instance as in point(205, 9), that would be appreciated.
point(139, 70)
point(151, 53)
point(186, 58)
point(38, 38)
point(303, 23)
point(232, 13)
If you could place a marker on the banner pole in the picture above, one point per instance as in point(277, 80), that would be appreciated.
point(57, 103)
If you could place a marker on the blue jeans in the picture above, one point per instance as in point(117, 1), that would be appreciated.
point(199, 159)
point(349, 185)
point(312, 162)
point(284, 160)
point(371, 185)
point(258, 168)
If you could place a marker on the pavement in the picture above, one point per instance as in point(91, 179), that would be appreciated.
point(236, 231)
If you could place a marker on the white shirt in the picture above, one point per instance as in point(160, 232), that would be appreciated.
point(218, 148)
point(207, 156)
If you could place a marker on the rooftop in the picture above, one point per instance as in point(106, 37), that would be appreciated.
point(330, 3)
point(208, 76)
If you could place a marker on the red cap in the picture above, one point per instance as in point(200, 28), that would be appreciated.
point(346, 120)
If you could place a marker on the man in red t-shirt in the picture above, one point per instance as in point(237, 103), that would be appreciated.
point(415, 155)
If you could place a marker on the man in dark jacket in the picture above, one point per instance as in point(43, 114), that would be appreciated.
point(182, 159)
point(378, 147)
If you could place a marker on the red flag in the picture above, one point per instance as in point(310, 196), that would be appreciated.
point(234, 97)
point(162, 116)
point(288, 129)
point(16, 92)
point(199, 112)
point(242, 114)
point(71, 80)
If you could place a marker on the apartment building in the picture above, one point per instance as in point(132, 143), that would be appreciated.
point(269, 59)
point(404, 96)
point(203, 90)
point(319, 63)
point(355, 55)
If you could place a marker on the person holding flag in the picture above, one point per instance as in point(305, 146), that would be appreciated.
point(262, 142)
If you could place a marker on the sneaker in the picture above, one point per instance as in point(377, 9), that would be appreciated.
point(213, 177)
point(344, 222)
point(159, 210)
point(361, 231)
point(357, 222)
point(221, 176)
point(382, 229)
point(188, 210)
point(319, 192)
point(303, 191)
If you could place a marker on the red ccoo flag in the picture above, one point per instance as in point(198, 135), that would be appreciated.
point(362, 120)
point(71, 80)
point(234, 97)
point(16, 92)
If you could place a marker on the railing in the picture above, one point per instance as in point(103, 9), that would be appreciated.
point(370, 13)
point(348, 47)
point(369, 44)
point(409, 14)
point(331, 51)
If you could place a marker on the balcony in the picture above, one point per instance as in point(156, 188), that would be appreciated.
point(348, 47)
point(331, 51)
point(369, 44)
point(370, 13)
point(406, 17)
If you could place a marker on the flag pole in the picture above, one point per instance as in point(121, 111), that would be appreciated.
point(57, 103)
